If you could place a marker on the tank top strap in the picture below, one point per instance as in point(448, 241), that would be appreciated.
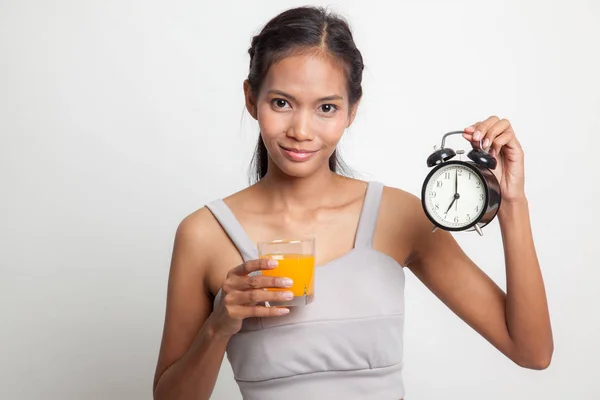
point(368, 216)
point(233, 228)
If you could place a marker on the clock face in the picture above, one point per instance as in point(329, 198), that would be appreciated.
point(455, 196)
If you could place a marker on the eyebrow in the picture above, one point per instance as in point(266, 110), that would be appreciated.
point(289, 96)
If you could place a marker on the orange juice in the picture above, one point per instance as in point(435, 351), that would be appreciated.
point(298, 267)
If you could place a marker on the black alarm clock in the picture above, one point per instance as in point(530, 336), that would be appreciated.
point(460, 195)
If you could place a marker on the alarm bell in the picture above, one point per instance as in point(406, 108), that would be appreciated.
point(479, 156)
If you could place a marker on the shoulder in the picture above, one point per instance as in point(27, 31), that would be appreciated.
point(401, 223)
point(194, 233)
point(400, 204)
point(198, 224)
point(199, 236)
point(202, 223)
point(200, 245)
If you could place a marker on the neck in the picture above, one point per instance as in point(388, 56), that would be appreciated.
point(287, 193)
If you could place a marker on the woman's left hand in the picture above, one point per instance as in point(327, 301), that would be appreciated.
point(498, 137)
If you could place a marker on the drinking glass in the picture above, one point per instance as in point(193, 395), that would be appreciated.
point(296, 260)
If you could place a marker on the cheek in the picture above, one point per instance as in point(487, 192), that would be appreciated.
point(330, 130)
point(272, 122)
point(333, 128)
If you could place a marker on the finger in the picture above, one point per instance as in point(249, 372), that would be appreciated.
point(501, 141)
point(500, 128)
point(265, 312)
point(256, 296)
point(469, 137)
point(253, 265)
point(470, 129)
point(241, 312)
point(470, 133)
point(259, 282)
point(483, 127)
point(474, 143)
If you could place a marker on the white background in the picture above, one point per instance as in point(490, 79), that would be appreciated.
point(119, 118)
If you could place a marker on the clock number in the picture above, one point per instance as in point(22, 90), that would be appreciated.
point(439, 184)
point(468, 217)
point(477, 209)
point(481, 196)
point(456, 219)
point(446, 175)
point(436, 207)
point(460, 171)
point(478, 184)
point(469, 175)
point(432, 194)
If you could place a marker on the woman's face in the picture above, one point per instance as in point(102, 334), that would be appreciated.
point(302, 110)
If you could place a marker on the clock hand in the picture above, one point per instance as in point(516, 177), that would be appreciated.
point(450, 206)
point(456, 187)
point(456, 197)
point(456, 182)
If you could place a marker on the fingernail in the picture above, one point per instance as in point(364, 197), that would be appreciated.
point(287, 295)
point(283, 311)
point(486, 142)
point(477, 135)
point(287, 282)
point(272, 263)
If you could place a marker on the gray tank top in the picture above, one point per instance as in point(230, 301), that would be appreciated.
point(347, 344)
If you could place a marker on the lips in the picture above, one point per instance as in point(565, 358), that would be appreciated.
point(298, 154)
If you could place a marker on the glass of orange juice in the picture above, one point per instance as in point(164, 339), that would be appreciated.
point(296, 260)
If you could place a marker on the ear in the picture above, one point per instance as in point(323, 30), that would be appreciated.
point(250, 104)
point(353, 111)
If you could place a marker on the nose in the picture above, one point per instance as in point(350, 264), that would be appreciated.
point(299, 128)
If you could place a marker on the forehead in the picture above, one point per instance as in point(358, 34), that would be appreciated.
point(307, 75)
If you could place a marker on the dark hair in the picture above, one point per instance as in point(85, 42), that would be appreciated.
point(303, 29)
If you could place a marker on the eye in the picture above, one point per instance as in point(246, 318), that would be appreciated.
point(328, 108)
point(279, 103)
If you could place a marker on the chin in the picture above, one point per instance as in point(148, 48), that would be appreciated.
point(298, 170)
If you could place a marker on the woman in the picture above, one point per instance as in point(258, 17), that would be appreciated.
point(304, 88)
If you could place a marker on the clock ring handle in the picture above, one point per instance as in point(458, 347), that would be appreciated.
point(459, 133)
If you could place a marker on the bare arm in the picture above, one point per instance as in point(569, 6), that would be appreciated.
point(191, 351)
point(527, 315)
point(516, 322)
point(195, 336)
point(195, 374)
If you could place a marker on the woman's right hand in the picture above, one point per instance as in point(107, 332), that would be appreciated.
point(241, 294)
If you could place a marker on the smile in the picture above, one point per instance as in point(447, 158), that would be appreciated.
point(298, 154)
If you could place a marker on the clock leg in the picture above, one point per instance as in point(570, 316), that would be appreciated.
point(478, 229)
